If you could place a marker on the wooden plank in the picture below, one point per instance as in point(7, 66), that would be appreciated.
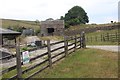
point(84, 42)
point(80, 41)
point(32, 67)
point(32, 59)
point(58, 54)
point(9, 69)
point(57, 48)
point(13, 77)
point(18, 61)
point(71, 44)
point(14, 67)
point(49, 53)
point(28, 78)
point(78, 45)
point(58, 59)
point(75, 43)
point(57, 43)
point(70, 48)
point(66, 45)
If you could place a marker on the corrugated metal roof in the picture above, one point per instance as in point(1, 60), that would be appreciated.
point(8, 32)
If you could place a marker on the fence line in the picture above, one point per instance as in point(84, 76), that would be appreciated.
point(70, 45)
point(114, 37)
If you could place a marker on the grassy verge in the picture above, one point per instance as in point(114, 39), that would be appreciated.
point(85, 63)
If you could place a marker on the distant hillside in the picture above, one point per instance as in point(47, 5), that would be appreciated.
point(18, 24)
point(90, 26)
point(15, 24)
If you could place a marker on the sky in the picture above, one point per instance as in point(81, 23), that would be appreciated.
point(98, 11)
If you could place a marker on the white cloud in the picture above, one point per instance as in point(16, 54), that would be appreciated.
point(98, 10)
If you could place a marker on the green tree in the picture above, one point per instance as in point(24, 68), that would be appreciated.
point(37, 21)
point(75, 16)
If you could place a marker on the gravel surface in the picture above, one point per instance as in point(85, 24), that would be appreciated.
point(106, 47)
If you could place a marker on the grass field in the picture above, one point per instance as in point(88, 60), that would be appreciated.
point(6, 23)
point(98, 35)
point(85, 63)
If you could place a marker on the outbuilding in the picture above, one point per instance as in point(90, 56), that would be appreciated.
point(52, 27)
point(9, 34)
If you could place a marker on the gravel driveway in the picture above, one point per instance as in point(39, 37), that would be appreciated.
point(106, 47)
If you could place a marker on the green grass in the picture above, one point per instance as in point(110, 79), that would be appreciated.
point(6, 23)
point(24, 67)
point(85, 63)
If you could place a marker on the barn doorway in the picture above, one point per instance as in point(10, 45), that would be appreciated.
point(50, 30)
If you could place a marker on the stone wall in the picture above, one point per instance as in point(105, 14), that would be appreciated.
point(57, 25)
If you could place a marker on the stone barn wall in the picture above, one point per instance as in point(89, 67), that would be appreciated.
point(52, 27)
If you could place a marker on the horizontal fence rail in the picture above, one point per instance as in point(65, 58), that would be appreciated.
point(68, 45)
point(111, 37)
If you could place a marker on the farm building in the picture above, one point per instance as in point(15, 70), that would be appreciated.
point(52, 27)
point(6, 36)
point(9, 34)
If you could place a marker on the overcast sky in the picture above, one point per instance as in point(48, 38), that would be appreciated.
point(98, 11)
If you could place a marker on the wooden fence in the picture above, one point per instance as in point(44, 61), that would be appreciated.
point(105, 37)
point(45, 60)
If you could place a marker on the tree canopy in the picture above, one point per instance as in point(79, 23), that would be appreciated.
point(75, 16)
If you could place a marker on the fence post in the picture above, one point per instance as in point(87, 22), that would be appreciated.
point(108, 36)
point(49, 53)
point(18, 60)
point(66, 45)
point(84, 43)
point(87, 39)
point(104, 38)
point(80, 41)
point(91, 38)
point(101, 37)
point(75, 42)
point(116, 36)
point(96, 38)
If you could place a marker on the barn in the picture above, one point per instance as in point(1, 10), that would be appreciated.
point(52, 27)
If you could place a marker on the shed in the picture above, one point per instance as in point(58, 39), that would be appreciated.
point(52, 27)
point(6, 33)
